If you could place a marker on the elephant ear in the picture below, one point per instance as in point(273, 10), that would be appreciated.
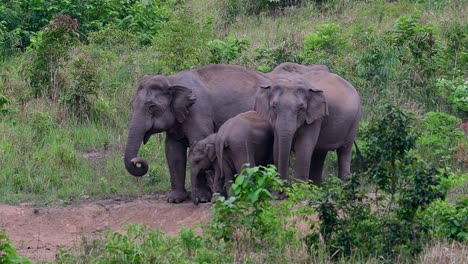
point(210, 152)
point(182, 99)
point(262, 100)
point(317, 106)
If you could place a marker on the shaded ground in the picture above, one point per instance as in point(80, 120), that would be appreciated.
point(38, 232)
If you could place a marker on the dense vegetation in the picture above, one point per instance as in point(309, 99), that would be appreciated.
point(68, 71)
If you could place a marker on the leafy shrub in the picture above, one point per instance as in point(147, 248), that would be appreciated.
point(8, 253)
point(439, 137)
point(182, 42)
point(376, 61)
point(24, 18)
point(385, 224)
point(51, 50)
point(138, 244)
point(146, 18)
point(251, 195)
point(447, 220)
point(455, 92)
point(226, 52)
point(326, 38)
point(418, 38)
point(269, 58)
point(78, 98)
point(324, 45)
point(5, 109)
point(41, 123)
point(111, 35)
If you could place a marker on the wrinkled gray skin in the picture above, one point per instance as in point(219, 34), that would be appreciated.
point(188, 106)
point(290, 67)
point(244, 139)
point(312, 113)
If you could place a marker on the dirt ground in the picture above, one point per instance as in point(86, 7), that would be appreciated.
point(38, 232)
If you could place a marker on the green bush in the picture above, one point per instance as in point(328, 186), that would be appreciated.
point(376, 61)
point(21, 20)
point(50, 52)
point(79, 97)
point(325, 45)
point(8, 252)
point(269, 58)
point(182, 42)
point(384, 223)
point(455, 93)
point(447, 220)
point(439, 137)
point(229, 51)
point(251, 195)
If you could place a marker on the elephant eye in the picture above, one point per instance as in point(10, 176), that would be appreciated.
point(274, 105)
point(153, 109)
point(300, 107)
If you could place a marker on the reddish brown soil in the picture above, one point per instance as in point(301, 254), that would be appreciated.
point(38, 232)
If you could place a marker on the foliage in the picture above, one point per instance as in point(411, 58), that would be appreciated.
point(182, 42)
point(78, 97)
point(453, 58)
point(23, 19)
point(250, 200)
point(5, 109)
point(229, 51)
point(455, 92)
point(51, 50)
point(385, 223)
point(234, 8)
point(377, 63)
point(8, 252)
point(138, 244)
point(269, 58)
point(439, 137)
point(325, 43)
point(447, 220)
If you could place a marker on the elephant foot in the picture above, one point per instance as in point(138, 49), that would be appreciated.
point(201, 195)
point(176, 196)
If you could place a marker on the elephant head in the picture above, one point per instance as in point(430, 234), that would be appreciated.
point(157, 106)
point(202, 156)
point(290, 103)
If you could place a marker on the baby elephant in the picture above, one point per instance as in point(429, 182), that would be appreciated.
point(245, 138)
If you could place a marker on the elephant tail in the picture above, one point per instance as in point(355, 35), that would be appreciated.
point(359, 155)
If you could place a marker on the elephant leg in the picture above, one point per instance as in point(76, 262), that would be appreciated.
point(176, 155)
point(316, 167)
point(344, 160)
point(304, 145)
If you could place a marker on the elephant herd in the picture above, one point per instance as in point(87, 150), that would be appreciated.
point(229, 116)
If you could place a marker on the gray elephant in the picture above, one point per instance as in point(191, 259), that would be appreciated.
point(244, 139)
point(188, 106)
point(290, 67)
point(312, 113)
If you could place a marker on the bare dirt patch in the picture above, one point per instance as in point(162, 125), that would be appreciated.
point(38, 232)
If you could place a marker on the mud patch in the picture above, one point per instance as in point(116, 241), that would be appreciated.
point(38, 232)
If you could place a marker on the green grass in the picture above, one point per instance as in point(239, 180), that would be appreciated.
point(47, 156)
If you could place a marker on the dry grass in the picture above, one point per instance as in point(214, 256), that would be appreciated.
point(445, 253)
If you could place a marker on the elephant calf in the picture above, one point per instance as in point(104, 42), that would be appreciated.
point(245, 138)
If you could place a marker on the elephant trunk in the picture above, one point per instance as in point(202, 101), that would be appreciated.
point(135, 165)
point(285, 129)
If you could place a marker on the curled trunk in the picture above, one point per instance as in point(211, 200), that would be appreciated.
point(135, 165)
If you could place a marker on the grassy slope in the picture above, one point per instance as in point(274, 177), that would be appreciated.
point(45, 157)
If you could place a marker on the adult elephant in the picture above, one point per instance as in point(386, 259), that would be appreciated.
point(312, 112)
point(291, 67)
point(188, 106)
